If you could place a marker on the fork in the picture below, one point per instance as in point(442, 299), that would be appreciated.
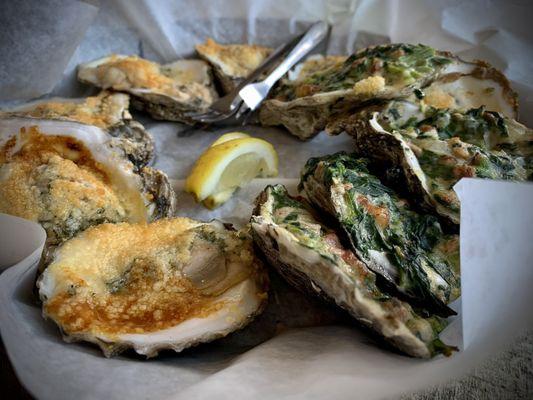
point(253, 94)
point(227, 106)
point(231, 104)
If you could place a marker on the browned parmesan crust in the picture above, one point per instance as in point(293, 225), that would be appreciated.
point(115, 280)
point(232, 62)
point(166, 91)
point(108, 111)
point(55, 180)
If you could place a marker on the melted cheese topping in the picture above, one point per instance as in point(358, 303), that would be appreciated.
point(235, 60)
point(123, 278)
point(105, 110)
point(56, 181)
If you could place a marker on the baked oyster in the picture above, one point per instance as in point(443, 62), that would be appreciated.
point(310, 256)
point(108, 111)
point(434, 148)
point(407, 248)
point(476, 85)
point(232, 62)
point(68, 176)
point(393, 71)
point(166, 92)
point(170, 284)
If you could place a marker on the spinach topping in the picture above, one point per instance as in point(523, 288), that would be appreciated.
point(451, 144)
point(376, 220)
point(397, 63)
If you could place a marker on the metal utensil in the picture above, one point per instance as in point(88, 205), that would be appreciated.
point(233, 104)
point(227, 106)
point(254, 93)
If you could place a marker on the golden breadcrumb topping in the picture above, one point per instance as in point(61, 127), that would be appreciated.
point(134, 278)
point(235, 60)
point(105, 110)
point(135, 73)
point(55, 181)
point(369, 86)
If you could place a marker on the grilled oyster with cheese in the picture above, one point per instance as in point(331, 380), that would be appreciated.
point(310, 256)
point(306, 106)
point(68, 176)
point(232, 62)
point(434, 148)
point(108, 111)
point(170, 284)
point(166, 92)
point(407, 248)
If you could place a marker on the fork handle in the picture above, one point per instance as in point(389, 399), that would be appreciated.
point(314, 35)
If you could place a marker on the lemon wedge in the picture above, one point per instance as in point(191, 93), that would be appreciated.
point(230, 162)
point(229, 136)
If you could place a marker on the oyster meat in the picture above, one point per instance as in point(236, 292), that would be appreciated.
point(305, 106)
point(108, 111)
point(310, 256)
point(407, 248)
point(232, 62)
point(166, 92)
point(170, 284)
point(68, 176)
point(434, 148)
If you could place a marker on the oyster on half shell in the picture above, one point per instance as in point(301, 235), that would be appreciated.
point(407, 248)
point(166, 92)
point(471, 85)
point(434, 148)
point(310, 256)
point(68, 176)
point(108, 111)
point(305, 106)
point(232, 62)
point(170, 284)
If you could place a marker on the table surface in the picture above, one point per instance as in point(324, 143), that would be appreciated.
point(507, 376)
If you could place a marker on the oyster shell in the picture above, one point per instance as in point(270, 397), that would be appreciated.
point(68, 176)
point(477, 84)
point(170, 284)
point(310, 256)
point(166, 92)
point(407, 248)
point(108, 111)
point(434, 149)
point(232, 62)
point(384, 72)
point(471, 85)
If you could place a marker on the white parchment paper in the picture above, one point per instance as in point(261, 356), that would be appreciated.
point(334, 361)
point(275, 356)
